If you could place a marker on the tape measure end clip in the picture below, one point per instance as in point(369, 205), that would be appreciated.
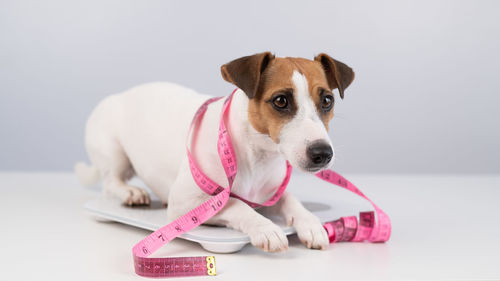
point(211, 266)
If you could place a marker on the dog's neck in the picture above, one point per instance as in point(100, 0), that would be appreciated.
point(261, 167)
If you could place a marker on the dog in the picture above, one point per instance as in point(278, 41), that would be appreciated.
point(280, 112)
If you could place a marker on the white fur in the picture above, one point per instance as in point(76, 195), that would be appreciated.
point(304, 128)
point(142, 132)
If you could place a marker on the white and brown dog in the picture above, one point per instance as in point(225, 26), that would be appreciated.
point(280, 112)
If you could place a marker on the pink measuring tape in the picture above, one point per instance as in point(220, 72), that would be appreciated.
point(343, 229)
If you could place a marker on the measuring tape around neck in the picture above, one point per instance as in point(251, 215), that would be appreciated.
point(343, 229)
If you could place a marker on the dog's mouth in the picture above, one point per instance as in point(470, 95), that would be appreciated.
point(308, 168)
point(314, 169)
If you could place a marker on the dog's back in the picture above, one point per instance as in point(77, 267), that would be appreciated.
point(140, 131)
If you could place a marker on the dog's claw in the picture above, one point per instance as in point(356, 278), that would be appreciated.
point(137, 196)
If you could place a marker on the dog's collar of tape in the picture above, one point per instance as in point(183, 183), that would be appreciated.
point(227, 157)
point(343, 229)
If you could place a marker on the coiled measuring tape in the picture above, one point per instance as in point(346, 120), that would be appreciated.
point(343, 229)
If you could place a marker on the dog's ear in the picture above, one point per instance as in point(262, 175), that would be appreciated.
point(338, 74)
point(245, 72)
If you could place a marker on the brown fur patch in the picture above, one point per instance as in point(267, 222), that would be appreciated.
point(276, 78)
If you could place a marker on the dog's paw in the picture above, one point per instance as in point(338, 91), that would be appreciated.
point(136, 196)
point(268, 237)
point(310, 231)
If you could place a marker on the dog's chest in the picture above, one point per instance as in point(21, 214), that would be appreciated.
point(260, 178)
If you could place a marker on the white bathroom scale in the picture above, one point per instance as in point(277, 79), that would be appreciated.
point(327, 201)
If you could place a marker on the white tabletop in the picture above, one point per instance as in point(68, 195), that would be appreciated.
point(444, 227)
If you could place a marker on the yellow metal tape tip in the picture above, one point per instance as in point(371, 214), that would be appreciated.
point(211, 265)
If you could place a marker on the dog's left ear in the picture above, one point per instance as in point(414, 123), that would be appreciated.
point(338, 74)
point(245, 72)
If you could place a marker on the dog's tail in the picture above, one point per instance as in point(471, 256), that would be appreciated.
point(88, 175)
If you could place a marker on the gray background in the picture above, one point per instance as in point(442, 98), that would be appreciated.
point(425, 98)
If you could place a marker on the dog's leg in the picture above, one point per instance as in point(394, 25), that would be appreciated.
point(309, 228)
point(264, 234)
point(116, 169)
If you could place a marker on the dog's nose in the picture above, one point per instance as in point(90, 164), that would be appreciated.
point(320, 153)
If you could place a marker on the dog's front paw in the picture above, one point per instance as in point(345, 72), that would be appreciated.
point(310, 231)
point(268, 237)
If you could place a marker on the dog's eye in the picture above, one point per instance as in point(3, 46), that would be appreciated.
point(327, 102)
point(280, 102)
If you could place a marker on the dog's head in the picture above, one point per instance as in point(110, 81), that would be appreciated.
point(291, 100)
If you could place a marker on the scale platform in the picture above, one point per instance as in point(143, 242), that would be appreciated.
point(326, 201)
